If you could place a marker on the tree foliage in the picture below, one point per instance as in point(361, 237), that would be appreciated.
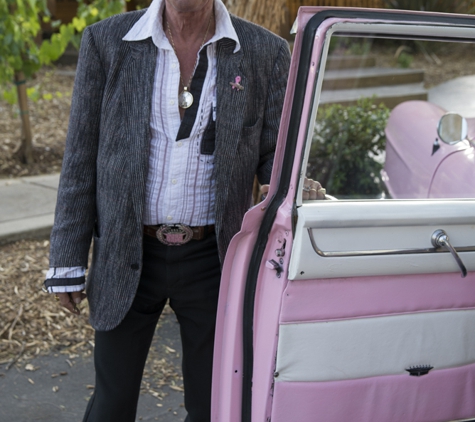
point(94, 11)
point(20, 25)
point(23, 51)
point(21, 46)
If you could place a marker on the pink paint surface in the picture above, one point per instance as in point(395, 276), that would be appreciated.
point(301, 402)
point(439, 396)
point(227, 366)
point(410, 165)
point(227, 362)
point(317, 300)
point(454, 176)
point(269, 287)
point(411, 169)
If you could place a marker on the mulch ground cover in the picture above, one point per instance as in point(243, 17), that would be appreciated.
point(33, 324)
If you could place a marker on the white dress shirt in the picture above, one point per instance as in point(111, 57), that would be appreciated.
point(179, 188)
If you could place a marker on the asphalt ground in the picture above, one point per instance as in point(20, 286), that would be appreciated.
point(56, 388)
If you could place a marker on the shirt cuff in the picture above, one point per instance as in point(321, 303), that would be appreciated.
point(66, 289)
point(65, 285)
point(65, 272)
point(65, 279)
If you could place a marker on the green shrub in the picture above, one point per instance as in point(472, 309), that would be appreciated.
point(347, 149)
point(404, 60)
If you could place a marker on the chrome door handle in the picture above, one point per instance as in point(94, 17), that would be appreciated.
point(440, 245)
point(440, 239)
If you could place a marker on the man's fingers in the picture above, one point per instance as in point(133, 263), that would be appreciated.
point(63, 298)
point(264, 191)
point(66, 302)
point(312, 190)
point(314, 186)
point(77, 297)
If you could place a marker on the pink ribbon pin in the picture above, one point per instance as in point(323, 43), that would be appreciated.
point(236, 83)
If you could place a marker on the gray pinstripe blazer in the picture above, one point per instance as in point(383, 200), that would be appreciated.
point(102, 186)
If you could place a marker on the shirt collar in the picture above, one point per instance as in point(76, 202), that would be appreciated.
point(150, 25)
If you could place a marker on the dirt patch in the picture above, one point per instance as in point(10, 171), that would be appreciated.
point(32, 323)
point(49, 119)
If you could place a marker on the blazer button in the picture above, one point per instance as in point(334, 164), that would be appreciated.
point(135, 266)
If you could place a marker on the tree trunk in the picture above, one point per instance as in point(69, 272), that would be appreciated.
point(26, 149)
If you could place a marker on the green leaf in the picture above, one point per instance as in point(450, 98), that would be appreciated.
point(10, 96)
point(33, 93)
point(20, 22)
point(79, 24)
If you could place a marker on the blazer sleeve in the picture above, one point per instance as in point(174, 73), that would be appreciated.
point(76, 207)
point(275, 100)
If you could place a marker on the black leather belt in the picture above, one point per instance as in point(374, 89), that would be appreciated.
point(178, 234)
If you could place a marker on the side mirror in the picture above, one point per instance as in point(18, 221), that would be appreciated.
point(452, 128)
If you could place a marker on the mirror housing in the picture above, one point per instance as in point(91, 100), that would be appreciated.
point(452, 128)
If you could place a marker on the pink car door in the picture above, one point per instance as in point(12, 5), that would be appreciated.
point(351, 308)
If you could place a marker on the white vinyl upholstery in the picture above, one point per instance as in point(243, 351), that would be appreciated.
point(355, 226)
point(368, 347)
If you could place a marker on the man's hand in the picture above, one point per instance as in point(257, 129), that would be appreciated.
point(70, 301)
point(311, 190)
point(264, 191)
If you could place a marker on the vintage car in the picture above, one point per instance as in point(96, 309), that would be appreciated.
point(429, 153)
point(360, 308)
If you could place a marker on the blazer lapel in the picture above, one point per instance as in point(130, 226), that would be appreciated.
point(230, 108)
point(137, 80)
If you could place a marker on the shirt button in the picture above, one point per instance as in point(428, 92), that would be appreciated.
point(174, 66)
point(179, 143)
point(174, 181)
point(172, 102)
point(169, 217)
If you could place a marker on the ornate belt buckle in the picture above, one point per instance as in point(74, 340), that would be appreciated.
point(174, 234)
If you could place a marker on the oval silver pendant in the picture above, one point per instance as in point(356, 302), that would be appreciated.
point(185, 99)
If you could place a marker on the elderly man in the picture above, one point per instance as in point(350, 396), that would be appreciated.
point(175, 109)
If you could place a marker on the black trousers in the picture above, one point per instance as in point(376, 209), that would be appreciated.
point(188, 276)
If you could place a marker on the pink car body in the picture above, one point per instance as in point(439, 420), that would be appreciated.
point(413, 168)
point(344, 310)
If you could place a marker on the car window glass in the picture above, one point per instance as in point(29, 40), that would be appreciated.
point(377, 134)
